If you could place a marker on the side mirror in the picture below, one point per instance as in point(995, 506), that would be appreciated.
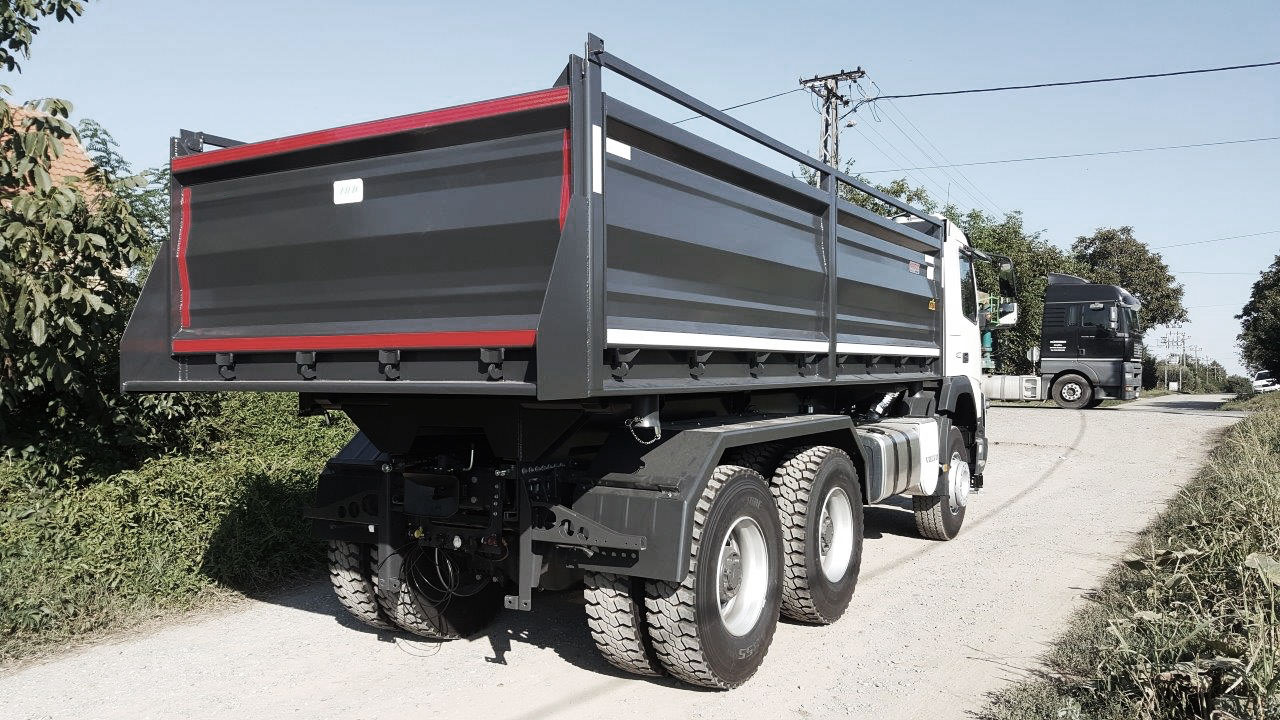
point(1008, 315)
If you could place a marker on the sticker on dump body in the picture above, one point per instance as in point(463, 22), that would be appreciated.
point(348, 191)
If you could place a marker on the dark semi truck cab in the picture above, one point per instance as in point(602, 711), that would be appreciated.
point(1090, 347)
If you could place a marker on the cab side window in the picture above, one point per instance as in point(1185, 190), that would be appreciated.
point(1095, 315)
point(968, 291)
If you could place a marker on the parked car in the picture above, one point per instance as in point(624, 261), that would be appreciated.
point(1265, 381)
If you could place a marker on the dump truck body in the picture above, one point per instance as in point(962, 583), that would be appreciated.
point(307, 262)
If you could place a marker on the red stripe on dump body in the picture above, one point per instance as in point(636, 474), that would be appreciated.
point(565, 181)
point(432, 118)
point(184, 282)
point(371, 341)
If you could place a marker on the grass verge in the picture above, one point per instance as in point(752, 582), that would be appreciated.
point(1186, 625)
point(78, 559)
point(1256, 401)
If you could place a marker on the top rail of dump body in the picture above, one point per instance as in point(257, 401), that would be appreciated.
point(575, 350)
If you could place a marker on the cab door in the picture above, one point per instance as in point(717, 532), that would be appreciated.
point(964, 343)
point(1099, 335)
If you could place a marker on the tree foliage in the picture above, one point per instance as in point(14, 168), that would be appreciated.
point(1259, 336)
point(1113, 256)
point(67, 253)
point(18, 25)
point(1033, 259)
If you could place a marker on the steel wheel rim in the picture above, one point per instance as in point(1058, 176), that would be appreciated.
point(835, 535)
point(959, 478)
point(1072, 392)
point(742, 576)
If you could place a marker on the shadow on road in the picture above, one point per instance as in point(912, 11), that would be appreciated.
point(558, 624)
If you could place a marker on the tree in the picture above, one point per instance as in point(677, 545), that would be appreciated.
point(68, 253)
point(1113, 256)
point(1259, 336)
point(147, 193)
point(18, 27)
point(1033, 259)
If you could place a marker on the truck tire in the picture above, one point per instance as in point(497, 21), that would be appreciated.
point(350, 571)
point(820, 509)
point(939, 517)
point(762, 458)
point(1072, 392)
point(615, 616)
point(714, 627)
point(1095, 402)
point(448, 616)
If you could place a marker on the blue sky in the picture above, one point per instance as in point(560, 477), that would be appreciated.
point(255, 70)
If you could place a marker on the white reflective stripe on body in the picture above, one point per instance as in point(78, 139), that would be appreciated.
point(614, 147)
point(618, 337)
point(902, 350)
point(661, 338)
point(597, 159)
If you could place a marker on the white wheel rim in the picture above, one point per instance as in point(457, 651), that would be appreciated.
point(742, 576)
point(835, 535)
point(959, 480)
point(1071, 392)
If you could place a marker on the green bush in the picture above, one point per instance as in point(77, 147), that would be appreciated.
point(78, 558)
point(1187, 626)
point(69, 255)
point(1241, 386)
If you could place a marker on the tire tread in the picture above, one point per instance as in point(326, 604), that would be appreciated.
point(354, 583)
point(617, 623)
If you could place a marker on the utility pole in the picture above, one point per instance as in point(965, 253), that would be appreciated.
point(827, 88)
point(1177, 339)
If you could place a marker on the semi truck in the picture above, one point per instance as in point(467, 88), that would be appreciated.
point(1090, 348)
point(581, 345)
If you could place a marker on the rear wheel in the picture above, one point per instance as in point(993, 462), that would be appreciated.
point(1072, 392)
point(820, 508)
point(439, 599)
point(615, 616)
point(762, 458)
point(939, 517)
point(714, 627)
point(351, 572)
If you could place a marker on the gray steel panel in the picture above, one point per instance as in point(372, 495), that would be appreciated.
point(880, 300)
point(692, 253)
point(457, 238)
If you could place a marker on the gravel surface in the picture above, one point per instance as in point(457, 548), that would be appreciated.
point(933, 627)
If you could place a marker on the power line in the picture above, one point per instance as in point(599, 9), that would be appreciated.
point(946, 159)
point(977, 201)
point(1008, 87)
point(1214, 240)
point(938, 188)
point(744, 104)
point(1146, 76)
point(886, 155)
point(1078, 155)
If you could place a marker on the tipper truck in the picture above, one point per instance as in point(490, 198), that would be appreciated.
point(581, 345)
point(1090, 348)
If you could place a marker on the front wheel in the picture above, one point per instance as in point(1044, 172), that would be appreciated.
point(939, 517)
point(1072, 392)
point(714, 627)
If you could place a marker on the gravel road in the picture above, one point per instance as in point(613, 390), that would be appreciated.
point(933, 626)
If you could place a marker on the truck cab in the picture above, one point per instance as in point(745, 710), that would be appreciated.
point(1090, 342)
